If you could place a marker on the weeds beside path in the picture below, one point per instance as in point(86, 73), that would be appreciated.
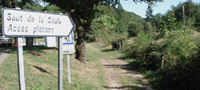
point(118, 74)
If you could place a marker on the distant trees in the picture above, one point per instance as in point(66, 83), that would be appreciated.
point(124, 25)
point(103, 29)
point(135, 28)
point(191, 13)
point(82, 13)
point(149, 12)
point(173, 19)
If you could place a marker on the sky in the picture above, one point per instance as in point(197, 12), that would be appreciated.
point(160, 7)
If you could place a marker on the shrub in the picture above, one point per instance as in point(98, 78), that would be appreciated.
point(134, 28)
point(138, 47)
point(103, 29)
point(175, 59)
point(145, 50)
point(181, 65)
point(179, 47)
point(154, 55)
point(180, 77)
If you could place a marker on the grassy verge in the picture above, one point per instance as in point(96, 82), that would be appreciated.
point(41, 71)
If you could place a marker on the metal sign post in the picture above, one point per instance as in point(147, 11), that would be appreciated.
point(68, 67)
point(60, 65)
point(20, 61)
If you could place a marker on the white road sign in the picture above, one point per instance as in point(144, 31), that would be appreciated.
point(16, 22)
point(68, 44)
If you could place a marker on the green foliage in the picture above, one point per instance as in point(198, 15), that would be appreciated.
point(135, 28)
point(105, 9)
point(102, 29)
point(31, 6)
point(192, 13)
point(180, 47)
point(114, 25)
point(168, 23)
point(173, 59)
point(53, 8)
point(177, 47)
point(145, 50)
point(143, 39)
point(139, 46)
point(117, 25)
point(123, 21)
point(156, 21)
point(135, 18)
point(136, 24)
point(122, 29)
point(148, 28)
point(181, 62)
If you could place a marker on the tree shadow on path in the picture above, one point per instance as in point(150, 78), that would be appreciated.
point(125, 88)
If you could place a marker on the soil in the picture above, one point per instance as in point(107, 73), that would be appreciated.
point(115, 69)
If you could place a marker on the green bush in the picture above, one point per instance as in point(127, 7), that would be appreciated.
point(179, 77)
point(153, 60)
point(180, 48)
point(180, 62)
point(175, 59)
point(154, 55)
point(103, 29)
point(147, 51)
point(140, 48)
point(135, 28)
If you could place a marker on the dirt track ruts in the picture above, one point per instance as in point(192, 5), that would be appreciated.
point(115, 69)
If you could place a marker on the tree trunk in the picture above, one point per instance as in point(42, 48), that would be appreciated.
point(80, 44)
point(13, 3)
point(120, 44)
point(29, 41)
point(81, 28)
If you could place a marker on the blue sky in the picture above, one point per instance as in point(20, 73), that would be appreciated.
point(160, 7)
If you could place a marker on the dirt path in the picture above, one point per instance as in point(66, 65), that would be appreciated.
point(115, 70)
point(4, 53)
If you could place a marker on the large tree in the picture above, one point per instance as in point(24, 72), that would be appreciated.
point(82, 12)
